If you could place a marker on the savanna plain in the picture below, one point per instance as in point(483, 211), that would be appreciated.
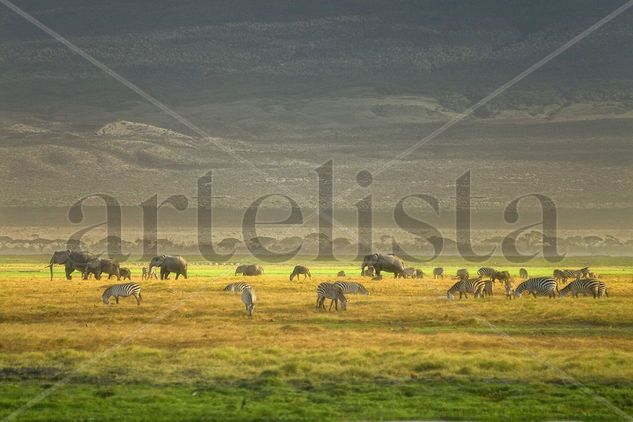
point(189, 351)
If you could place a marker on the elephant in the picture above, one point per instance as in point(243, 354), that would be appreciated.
point(72, 260)
point(169, 264)
point(125, 273)
point(380, 262)
point(249, 270)
point(99, 266)
point(298, 270)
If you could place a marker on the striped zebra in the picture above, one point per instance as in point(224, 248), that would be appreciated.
point(248, 299)
point(586, 286)
point(419, 273)
point(563, 275)
point(523, 273)
point(352, 288)
point(438, 272)
point(487, 272)
point(487, 289)
point(472, 285)
point(462, 274)
point(122, 290)
point(236, 287)
point(540, 286)
point(330, 291)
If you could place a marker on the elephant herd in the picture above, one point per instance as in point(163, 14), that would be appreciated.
point(90, 264)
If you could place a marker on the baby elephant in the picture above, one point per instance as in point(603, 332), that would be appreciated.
point(125, 273)
point(249, 299)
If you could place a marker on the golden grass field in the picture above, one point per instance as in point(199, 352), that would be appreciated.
point(402, 352)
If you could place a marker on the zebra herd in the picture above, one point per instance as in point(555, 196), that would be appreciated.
point(584, 283)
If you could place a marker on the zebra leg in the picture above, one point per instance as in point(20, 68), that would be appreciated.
point(117, 299)
point(138, 300)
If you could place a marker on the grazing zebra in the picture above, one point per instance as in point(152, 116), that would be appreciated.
point(122, 290)
point(125, 273)
point(487, 272)
point(419, 273)
point(249, 299)
point(541, 286)
point(330, 291)
point(236, 287)
point(340, 274)
point(438, 273)
point(300, 269)
point(462, 274)
point(509, 289)
point(523, 273)
point(585, 286)
point(472, 285)
point(563, 275)
point(353, 288)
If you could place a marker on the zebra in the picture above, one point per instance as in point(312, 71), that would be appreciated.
point(487, 289)
point(563, 275)
point(541, 286)
point(236, 287)
point(438, 272)
point(122, 290)
point(125, 273)
point(472, 285)
point(462, 274)
point(248, 299)
point(300, 269)
point(351, 287)
point(330, 291)
point(419, 273)
point(523, 273)
point(487, 272)
point(590, 286)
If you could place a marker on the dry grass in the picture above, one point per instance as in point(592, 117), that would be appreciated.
point(191, 333)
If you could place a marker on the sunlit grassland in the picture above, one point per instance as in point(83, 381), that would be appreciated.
point(403, 351)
